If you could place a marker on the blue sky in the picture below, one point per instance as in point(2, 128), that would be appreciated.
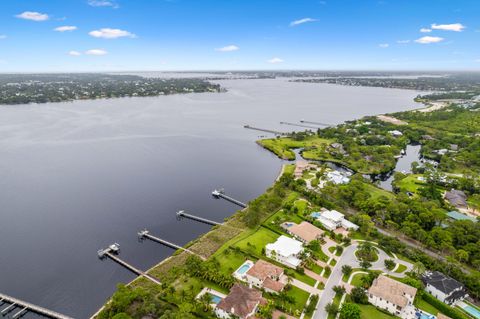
point(116, 35)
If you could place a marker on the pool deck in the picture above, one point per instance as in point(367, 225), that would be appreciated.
point(211, 291)
point(241, 275)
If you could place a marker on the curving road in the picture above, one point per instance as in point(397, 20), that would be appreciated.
point(335, 279)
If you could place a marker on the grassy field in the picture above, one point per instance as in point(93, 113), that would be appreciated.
point(282, 147)
point(410, 184)
point(421, 304)
point(401, 268)
point(370, 312)
point(357, 280)
point(254, 243)
point(300, 297)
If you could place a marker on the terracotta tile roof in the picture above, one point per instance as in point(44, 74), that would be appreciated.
point(306, 231)
point(241, 301)
point(274, 285)
point(263, 270)
point(442, 316)
point(391, 290)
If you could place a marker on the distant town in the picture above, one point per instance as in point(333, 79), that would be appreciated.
point(44, 88)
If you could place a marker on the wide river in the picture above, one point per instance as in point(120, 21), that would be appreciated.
point(77, 176)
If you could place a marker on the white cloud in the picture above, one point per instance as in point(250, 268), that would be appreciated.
point(66, 28)
point(275, 60)
point(103, 3)
point(403, 41)
point(34, 16)
point(107, 33)
point(2, 36)
point(457, 27)
point(74, 53)
point(228, 48)
point(425, 30)
point(302, 21)
point(428, 39)
point(384, 45)
point(96, 52)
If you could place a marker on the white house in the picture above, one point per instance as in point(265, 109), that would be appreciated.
point(285, 250)
point(444, 288)
point(393, 296)
point(337, 177)
point(332, 219)
point(395, 133)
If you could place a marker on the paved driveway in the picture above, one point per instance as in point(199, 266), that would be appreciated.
point(335, 279)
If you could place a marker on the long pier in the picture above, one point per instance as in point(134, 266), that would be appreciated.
point(220, 193)
point(316, 123)
point(146, 234)
point(299, 125)
point(182, 213)
point(264, 130)
point(113, 250)
point(26, 307)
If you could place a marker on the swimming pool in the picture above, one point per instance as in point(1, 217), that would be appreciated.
point(316, 214)
point(422, 315)
point(215, 299)
point(243, 269)
point(473, 311)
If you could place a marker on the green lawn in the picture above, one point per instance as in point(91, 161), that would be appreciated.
point(335, 301)
point(282, 147)
point(230, 260)
point(410, 183)
point(300, 296)
point(401, 268)
point(421, 304)
point(357, 280)
point(281, 216)
point(254, 243)
point(370, 312)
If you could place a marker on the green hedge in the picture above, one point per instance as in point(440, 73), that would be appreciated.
point(445, 309)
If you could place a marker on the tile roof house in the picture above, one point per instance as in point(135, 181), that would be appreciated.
point(305, 231)
point(444, 288)
point(265, 275)
point(393, 296)
point(456, 198)
point(242, 302)
point(301, 166)
point(285, 250)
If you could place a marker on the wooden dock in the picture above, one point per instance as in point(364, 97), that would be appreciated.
point(27, 307)
point(132, 268)
point(220, 193)
point(316, 123)
point(181, 214)
point(146, 234)
point(264, 130)
point(299, 125)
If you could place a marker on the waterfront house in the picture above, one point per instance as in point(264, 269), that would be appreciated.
point(265, 275)
point(393, 296)
point(332, 219)
point(395, 133)
point(285, 250)
point(444, 288)
point(300, 167)
point(304, 232)
point(242, 302)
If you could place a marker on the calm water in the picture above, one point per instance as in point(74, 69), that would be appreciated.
point(404, 165)
point(75, 177)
